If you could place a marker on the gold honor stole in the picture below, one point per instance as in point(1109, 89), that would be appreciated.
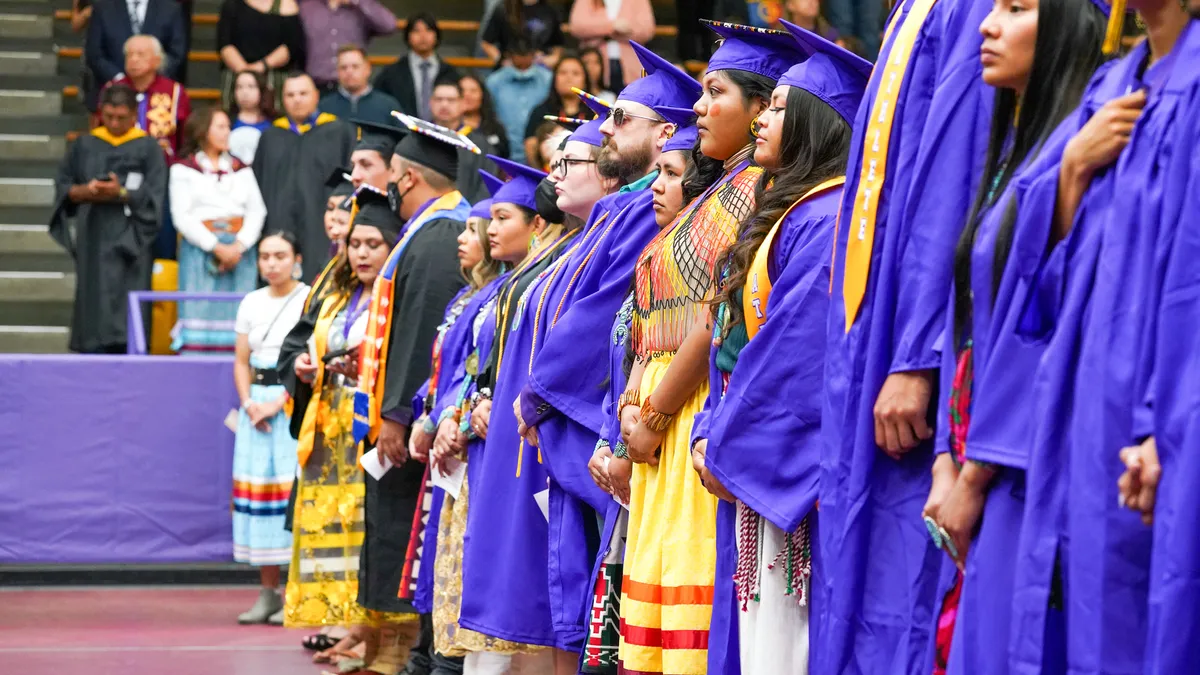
point(304, 127)
point(103, 134)
point(758, 282)
point(861, 238)
point(372, 368)
point(308, 427)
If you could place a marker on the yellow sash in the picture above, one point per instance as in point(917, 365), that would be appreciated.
point(861, 221)
point(308, 428)
point(104, 135)
point(758, 281)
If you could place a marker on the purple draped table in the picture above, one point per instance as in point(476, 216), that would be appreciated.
point(115, 459)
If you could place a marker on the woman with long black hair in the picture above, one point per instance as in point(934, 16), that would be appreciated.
point(758, 445)
point(670, 554)
point(1039, 56)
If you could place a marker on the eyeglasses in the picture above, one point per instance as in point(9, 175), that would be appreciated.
point(562, 166)
point(621, 115)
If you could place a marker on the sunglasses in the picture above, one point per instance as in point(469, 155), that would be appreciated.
point(620, 116)
point(562, 166)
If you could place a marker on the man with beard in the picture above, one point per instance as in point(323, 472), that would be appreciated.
point(295, 157)
point(563, 404)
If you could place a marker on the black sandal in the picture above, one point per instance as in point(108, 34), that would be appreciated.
point(318, 642)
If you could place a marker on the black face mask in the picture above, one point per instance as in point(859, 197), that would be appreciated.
point(395, 197)
point(547, 202)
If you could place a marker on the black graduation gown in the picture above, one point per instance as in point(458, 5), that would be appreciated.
point(111, 242)
point(469, 183)
point(291, 170)
point(427, 279)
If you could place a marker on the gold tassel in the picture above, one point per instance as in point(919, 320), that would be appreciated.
point(1116, 27)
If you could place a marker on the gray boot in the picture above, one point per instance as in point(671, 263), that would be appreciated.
point(276, 619)
point(267, 604)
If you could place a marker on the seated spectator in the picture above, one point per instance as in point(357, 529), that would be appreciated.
point(569, 74)
point(517, 88)
point(480, 114)
point(446, 106)
point(610, 25)
point(264, 452)
point(410, 80)
point(252, 111)
point(166, 101)
point(535, 20)
point(113, 183)
point(111, 25)
point(330, 24)
point(355, 97)
point(264, 36)
point(694, 42)
point(807, 15)
point(593, 61)
point(217, 208)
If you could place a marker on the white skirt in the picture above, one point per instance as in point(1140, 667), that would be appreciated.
point(773, 631)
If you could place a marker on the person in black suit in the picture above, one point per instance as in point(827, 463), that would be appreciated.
point(115, 21)
point(410, 80)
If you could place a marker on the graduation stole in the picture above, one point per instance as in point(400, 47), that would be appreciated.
point(372, 376)
point(308, 428)
point(304, 127)
point(758, 281)
point(876, 142)
point(103, 134)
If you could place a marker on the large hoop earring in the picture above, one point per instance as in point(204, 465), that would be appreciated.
point(755, 126)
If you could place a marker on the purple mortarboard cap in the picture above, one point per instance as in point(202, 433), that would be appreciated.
point(589, 133)
point(482, 209)
point(758, 50)
point(835, 75)
point(521, 187)
point(664, 84)
point(492, 183)
point(597, 104)
point(684, 120)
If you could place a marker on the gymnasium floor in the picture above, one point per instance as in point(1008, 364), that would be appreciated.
point(178, 630)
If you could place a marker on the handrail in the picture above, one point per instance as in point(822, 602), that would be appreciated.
point(135, 326)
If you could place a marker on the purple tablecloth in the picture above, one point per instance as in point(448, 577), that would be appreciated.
point(115, 459)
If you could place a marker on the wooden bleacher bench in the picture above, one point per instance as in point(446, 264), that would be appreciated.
point(213, 57)
point(448, 25)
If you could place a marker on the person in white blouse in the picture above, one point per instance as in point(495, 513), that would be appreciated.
point(219, 213)
point(264, 454)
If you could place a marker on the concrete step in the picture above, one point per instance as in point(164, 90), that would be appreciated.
point(28, 63)
point(32, 146)
point(30, 102)
point(36, 287)
point(27, 192)
point(34, 339)
point(57, 124)
point(27, 25)
point(41, 83)
point(29, 248)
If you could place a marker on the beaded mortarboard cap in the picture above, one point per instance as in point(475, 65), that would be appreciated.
point(835, 75)
point(432, 145)
point(757, 50)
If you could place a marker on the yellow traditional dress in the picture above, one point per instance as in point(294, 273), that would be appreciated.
point(670, 555)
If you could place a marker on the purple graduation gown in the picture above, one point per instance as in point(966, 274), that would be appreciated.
point(1174, 623)
point(505, 585)
point(457, 345)
point(877, 610)
point(763, 435)
point(574, 386)
point(1094, 300)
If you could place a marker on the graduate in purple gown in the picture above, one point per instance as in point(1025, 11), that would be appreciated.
point(589, 291)
point(1094, 302)
point(758, 446)
point(985, 380)
point(1174, 623)
point(610, 467)
point(504, 557)
point(917, 152)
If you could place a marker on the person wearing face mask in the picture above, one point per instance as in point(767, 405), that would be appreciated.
point(519, 236)
point(324, 579)
point(295, 155)
point(219, 212)
point(609, 472)
point(418, 281)
point(757, 445)
point(1039, 70)
point(1110, 205)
